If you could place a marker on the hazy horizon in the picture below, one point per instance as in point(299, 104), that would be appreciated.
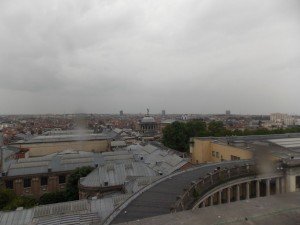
point(141, 113)
point(184, 56)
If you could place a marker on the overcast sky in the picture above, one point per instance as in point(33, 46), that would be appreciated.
point(184, 56)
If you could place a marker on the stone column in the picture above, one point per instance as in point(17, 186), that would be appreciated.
point(247, 190)
point(211, 200)
point(277, 185)
point(228, 194)
point(18, 186)
point(203, 203)
point(268, 187)
point(35, 187)
point(257, 189)
point(220, 197)
point(283, 190)
point(238, 194)
point(290, 183)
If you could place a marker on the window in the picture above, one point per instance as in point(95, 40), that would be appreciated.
point(44, 181)
point(62, 179)
point(217, 154)
point(27, 183)
point(233, 157)
point(9, 184)
point(298, 182)
point(213, 153)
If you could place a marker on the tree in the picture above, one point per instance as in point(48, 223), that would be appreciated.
point(6, 196)
point(196, 128)
point(216, 128)
point(53, 197)
point(72, 192)
point(175, 136)
point(10, 201)
point(21, 201)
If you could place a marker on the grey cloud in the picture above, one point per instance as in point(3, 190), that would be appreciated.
point(181, 55)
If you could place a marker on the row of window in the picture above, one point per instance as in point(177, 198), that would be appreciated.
point(215, 154)
point(233, 157)
point(27, 182)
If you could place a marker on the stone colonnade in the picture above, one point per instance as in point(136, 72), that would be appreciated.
point(246, 190)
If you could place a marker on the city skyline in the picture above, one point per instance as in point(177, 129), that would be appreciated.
point(181, 56)
point(151, 114)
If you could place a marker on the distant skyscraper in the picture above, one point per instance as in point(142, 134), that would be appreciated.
point(121, 113)
point(163, 112)
point(228, 112)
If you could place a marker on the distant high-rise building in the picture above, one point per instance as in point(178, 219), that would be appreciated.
point(282, 118)
point(228, 112)
point(121, 113)
point(163, 112)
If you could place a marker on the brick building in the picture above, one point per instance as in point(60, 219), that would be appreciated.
point(36, 176)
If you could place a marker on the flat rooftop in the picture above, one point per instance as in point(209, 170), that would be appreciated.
point(275, 210)
point(68, 137)
point(279, 145)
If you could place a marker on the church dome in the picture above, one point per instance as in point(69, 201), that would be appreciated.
point(148, 119)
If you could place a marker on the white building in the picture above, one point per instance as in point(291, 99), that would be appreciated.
point(282, 119)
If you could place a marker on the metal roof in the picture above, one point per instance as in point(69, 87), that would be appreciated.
point(118, 144)
point(69, 137)
point(58, 162)
point(159, 159)
point(287, 142)
point(116, 174)
point(134, 161)
point(22, 217)
point(86, 212)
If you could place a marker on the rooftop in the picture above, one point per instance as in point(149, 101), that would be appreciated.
point(148, 119)
point(275, 210)
point(116, 174)
point(57, 162)
point(279, 145)
point(76, 212)
point(109, 134)
point(132, 162)
point(152, 157)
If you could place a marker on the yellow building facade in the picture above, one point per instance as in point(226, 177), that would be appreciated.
point(207, 150)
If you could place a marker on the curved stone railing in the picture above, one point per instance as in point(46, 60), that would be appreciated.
point(203, 185)
point(233, 183)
